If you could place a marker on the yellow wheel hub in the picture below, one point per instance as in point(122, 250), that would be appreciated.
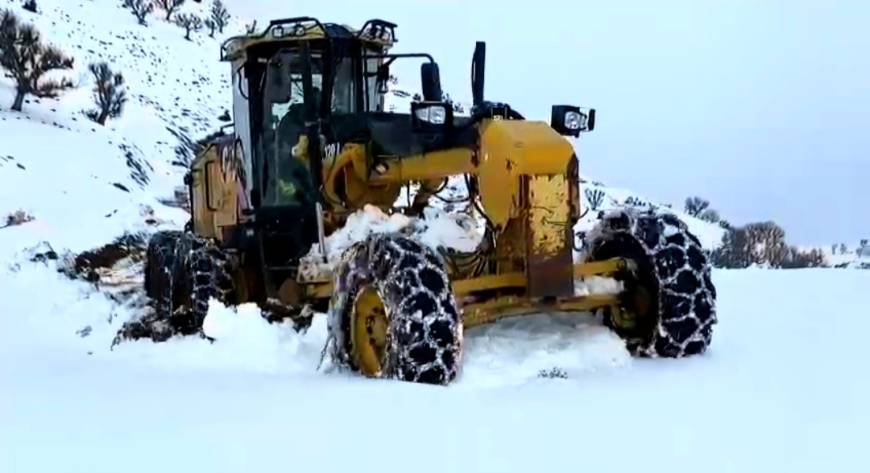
point(638, 308)
point(368, 331)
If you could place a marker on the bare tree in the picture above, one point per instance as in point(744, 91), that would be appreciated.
point(212, 27)
point(169, 6)
point(762, 244)
point(696, 205)
point(595, 197)
point(140, 9)
point(797, 259)
point(26, 59)
point(109, 93)
point(219, 15)
point(710, 215)
point(189, 22)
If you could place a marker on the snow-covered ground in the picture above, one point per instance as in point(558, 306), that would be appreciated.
point(782, 387)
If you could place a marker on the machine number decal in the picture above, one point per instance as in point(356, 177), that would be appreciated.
point(332, 150)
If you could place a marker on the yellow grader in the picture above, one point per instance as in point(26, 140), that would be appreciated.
point(312, 144)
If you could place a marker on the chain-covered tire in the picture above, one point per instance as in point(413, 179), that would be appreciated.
point(670, 278)
point(159, 264)
point(397, 290)
point(182, 273)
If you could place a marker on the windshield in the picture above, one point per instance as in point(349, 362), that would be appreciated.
point(287, 180)
point(374, 99)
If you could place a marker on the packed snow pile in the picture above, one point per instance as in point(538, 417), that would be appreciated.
point(436, 229)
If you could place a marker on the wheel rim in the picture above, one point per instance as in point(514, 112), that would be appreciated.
point(636, 315)
point(369, 332)
point(636, 308)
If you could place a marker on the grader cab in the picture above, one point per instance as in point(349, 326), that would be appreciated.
point(312, 144)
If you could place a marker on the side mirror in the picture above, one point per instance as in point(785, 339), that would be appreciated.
point(478, 72)
point(571, 121)
point(383, 78)
point(430, 78)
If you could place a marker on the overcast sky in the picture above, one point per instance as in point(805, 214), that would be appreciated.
point(763, 107)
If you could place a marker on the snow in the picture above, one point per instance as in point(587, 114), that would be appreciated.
point(780, 389)
point(435, 229)
point(709, 234)
point(62, 168)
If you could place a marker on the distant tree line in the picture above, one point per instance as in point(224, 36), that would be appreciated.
point(218, 16)
point(754, 244)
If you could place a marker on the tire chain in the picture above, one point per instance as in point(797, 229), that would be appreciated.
point(687, 295)
point(179, 262)
point(425, 335)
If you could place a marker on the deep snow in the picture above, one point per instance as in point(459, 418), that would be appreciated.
point(782, 387)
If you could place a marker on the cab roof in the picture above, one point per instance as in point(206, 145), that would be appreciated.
point(375, 32)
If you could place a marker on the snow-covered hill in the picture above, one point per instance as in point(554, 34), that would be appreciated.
point(778, 390)
point(83, 183)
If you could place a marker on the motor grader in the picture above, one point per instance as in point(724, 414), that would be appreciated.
point(312, 143)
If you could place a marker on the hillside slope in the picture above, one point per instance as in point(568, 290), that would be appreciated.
point(83, 183)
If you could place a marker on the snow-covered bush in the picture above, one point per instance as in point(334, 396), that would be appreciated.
point(189, 22)
point(553, 373)
point(140, 9)
point(25, 59)
point(19, 217)
point(633, 201)
point(109, 93)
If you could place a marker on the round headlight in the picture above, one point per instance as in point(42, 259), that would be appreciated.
point(299, 30)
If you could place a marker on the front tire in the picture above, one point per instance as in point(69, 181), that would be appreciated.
point(668, 306)
point(393, 313)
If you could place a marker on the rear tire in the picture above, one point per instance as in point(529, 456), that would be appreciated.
point(182, 273)
point(423, 322)
point(673, 274)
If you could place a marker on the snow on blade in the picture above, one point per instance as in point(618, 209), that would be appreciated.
point(436, 229)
